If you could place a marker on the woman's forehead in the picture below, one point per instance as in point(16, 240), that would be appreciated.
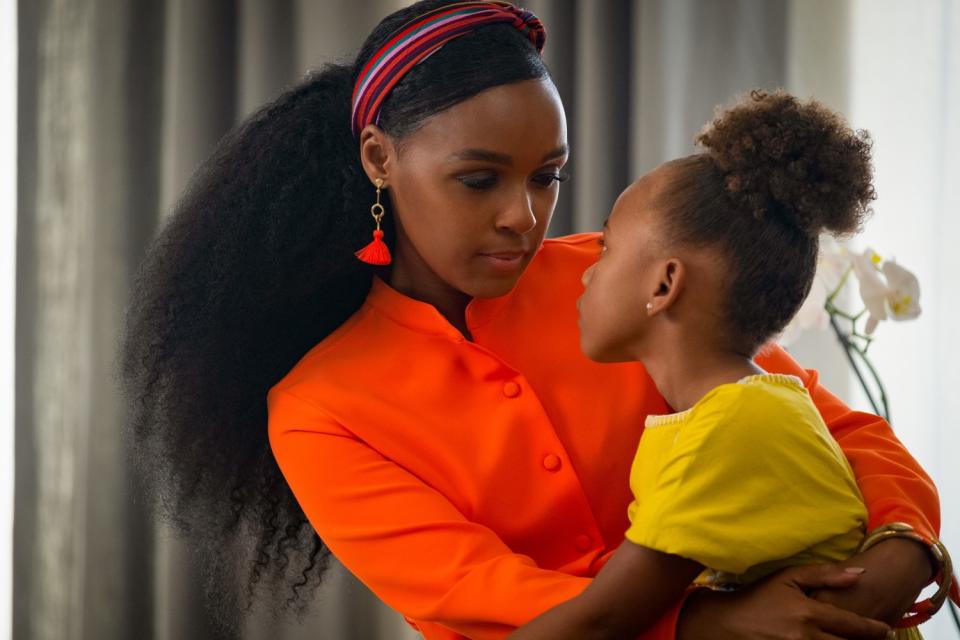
point(520, 120)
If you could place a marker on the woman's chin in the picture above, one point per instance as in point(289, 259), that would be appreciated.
point(492, 287)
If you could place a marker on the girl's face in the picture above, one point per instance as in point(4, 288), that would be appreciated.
point(614, 318)
point(473, 189)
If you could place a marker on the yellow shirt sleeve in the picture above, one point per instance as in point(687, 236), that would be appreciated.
point(752, 476)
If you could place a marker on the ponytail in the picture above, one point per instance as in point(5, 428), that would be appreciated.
point(254, 267)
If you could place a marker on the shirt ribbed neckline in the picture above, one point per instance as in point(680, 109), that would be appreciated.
point(681, 416)
point(782, 378)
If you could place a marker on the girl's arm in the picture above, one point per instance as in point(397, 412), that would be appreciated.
point(894, 485)
point(630, 593)
point(895, 488)
point(412, 548)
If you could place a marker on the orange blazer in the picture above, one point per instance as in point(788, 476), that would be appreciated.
point(474, 485)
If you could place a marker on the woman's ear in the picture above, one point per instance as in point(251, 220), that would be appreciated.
point(669, 283)
point(377, 153)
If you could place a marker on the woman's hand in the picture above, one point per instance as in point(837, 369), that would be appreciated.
point(778, 608)
point(897, 570)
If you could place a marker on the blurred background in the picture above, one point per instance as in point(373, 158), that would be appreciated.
point(108, 106)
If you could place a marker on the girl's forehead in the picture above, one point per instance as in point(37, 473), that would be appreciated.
point(636, 212)
point(636, 198)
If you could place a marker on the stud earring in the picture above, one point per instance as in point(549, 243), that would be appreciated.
point(649, 306)
point(377, 252)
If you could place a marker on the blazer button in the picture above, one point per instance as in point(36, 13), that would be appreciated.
point(511, 389)
point(551, 463)
point(583, 542)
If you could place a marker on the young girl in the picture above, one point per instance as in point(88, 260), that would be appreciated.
point(703, 261)
point(427, 416)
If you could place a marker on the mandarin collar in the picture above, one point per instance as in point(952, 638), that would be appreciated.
point(424, 317)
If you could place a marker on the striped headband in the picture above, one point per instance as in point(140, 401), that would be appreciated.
point(422, 36)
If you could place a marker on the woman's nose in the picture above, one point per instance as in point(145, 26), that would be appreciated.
point(519, 217)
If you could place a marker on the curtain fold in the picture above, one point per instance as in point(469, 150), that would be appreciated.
point(119, 103)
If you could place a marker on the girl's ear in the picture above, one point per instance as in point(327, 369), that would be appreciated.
point(669, 283)
point(377, 153)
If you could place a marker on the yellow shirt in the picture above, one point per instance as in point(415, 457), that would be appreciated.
point(747, 481)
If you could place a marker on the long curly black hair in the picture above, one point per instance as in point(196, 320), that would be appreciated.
point(253, 268)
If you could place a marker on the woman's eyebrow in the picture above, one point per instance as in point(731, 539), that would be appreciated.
point(556, 153)
point(486, 155)
point(482, 154)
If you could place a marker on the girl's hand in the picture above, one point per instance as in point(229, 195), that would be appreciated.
point(778, 608)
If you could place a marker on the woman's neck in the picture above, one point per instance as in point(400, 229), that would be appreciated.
point(685, 370)
point(415, 280)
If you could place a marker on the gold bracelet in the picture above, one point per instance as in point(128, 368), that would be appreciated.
point(921, 611)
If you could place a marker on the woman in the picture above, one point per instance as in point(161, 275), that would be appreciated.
point(431, 418)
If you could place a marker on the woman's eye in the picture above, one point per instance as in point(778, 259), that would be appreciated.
point(547, 179)
point(479, 181)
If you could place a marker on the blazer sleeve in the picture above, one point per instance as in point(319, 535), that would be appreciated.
point(404, 540)
point(894, 486)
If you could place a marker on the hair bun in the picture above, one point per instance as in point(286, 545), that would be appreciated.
point(796, 160)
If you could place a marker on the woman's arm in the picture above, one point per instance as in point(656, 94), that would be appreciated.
point(903, 568)
point(405, 540)
point(778, 607)
point(631, 592)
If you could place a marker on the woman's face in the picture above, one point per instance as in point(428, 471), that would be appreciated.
point(474, 188)
point(614, 317)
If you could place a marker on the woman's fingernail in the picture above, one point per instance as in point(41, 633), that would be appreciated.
point(857, 570)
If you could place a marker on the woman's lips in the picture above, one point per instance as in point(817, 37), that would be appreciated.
point(504, 260)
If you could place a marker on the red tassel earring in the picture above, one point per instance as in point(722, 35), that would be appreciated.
point(377, 252)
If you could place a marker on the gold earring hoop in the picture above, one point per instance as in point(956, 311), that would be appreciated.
point(377, 252)
point(377, 210)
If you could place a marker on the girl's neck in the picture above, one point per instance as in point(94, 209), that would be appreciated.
point(685, 371)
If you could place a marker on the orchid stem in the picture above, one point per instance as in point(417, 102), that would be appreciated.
point(849, 348)
point(843, 280)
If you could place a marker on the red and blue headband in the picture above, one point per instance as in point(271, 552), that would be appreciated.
point(421, 37)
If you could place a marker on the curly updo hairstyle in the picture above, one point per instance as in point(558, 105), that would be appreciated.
point(775, 174)
point(253, 268)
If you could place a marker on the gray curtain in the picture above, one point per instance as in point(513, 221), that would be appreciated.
point(119, 101)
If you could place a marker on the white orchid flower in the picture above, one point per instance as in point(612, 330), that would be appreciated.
point(873, 289)
point(887, 289)
point(903, 299)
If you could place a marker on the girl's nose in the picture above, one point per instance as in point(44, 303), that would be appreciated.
point(587, 274)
